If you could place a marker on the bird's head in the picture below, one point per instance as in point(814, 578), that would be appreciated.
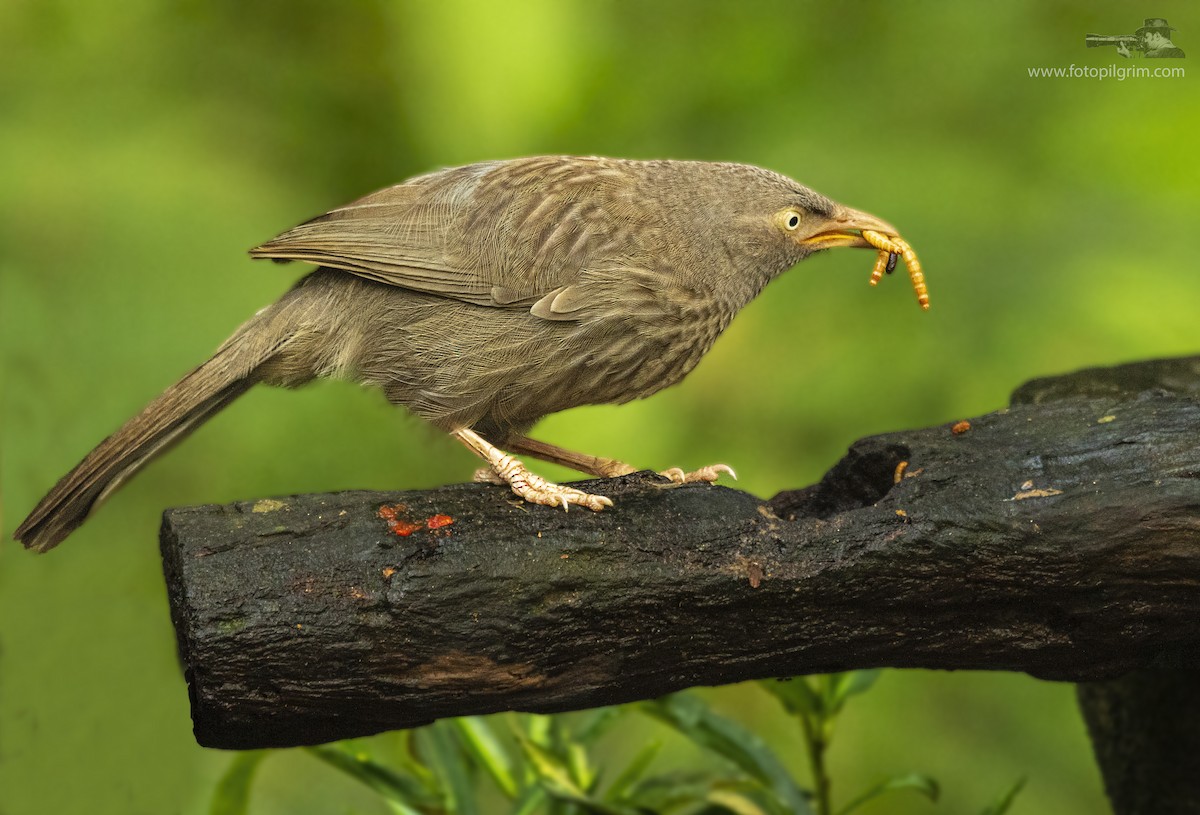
point(792, 221)
point(780, 222)
point(811, 230)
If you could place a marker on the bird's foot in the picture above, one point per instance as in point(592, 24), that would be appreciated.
point(486, 475)
point(537, 490)
point(708, 474)
point(510, 470)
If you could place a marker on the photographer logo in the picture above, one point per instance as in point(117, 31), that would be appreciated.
point(1152, 41)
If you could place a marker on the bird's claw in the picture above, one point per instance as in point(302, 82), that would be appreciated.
point(707, 474)
point(537, 490)
point(533, 488)
point(486, 475)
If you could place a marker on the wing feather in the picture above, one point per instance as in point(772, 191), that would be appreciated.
point(551, 234)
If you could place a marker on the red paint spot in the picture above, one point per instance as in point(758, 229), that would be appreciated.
point(398, 525)
point(403, 528)
point(389, 513)
point(438, 521)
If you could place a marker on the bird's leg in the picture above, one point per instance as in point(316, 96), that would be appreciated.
point(607, 467)
point(592, 465)
point(532, 488)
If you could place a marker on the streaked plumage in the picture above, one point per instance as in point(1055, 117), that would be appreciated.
point(490, 295)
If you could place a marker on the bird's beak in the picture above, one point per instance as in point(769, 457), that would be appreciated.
point(845, 229)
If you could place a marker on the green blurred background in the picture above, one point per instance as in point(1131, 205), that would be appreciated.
point(145, 145)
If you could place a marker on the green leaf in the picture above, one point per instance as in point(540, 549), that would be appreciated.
point(913, 781)
point(826, 683)
point(674, 789)
point(618, 791)
point(393, 787)
point(581, 769)
point(735, 802)
point(409, 762)
point(538, 728)
point(796, 695)
point(232, 795)
point(596, 722)
point(481, 743)
point(1001, 804)
point(451, 767)
point(530, 802)
point(397, 808)
point(717, 794)
point(553, 774)
point(692, 717)
point(852, 683)
point(555, 777)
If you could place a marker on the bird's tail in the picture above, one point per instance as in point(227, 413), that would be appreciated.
point(183, 407)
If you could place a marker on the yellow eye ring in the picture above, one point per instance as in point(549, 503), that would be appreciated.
point(791, 220)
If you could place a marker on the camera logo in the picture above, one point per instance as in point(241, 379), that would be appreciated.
point(1153, 40)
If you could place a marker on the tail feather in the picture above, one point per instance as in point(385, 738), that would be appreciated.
point(176, 412)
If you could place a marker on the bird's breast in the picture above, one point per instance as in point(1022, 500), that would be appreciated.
point(619, 360)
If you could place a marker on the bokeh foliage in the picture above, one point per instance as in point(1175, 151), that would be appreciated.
point(144, 145)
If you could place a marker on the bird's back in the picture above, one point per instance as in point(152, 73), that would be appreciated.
point(517, 289)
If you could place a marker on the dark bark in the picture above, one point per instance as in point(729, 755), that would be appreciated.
point(1145, 726)
point(1145, 729)
point(1060, 537)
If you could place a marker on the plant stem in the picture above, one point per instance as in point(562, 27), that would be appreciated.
point(814, 737)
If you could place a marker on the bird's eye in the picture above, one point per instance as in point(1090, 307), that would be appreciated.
point(791, 220)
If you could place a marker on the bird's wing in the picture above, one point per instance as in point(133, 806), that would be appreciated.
point(551, 234)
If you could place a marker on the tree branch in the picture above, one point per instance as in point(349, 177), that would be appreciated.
point(1060, 537)
point(1145, 729)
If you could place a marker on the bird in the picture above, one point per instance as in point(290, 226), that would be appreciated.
point(484, 297)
